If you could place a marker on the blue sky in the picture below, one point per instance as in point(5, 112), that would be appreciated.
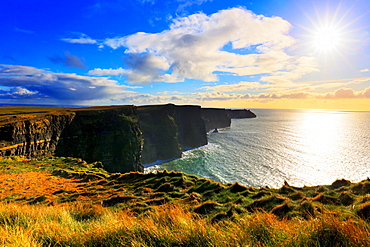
point(250, 54)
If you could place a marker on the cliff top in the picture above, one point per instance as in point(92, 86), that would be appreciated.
point(10, 114)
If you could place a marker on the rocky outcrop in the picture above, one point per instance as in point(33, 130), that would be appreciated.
point(215, 118)
point(234, 114)
point(111, 135)
point(32, 135)
point(170, 129)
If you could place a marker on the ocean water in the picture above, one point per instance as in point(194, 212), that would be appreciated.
point(302, 147)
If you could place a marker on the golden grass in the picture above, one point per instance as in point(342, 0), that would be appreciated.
point(168, 225)
point(67, 202)
point(34, 183)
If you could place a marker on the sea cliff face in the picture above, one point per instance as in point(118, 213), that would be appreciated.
point(234, 114)
point(192, 132)
point(121, 137)
point(170, 129)
point(215, 118)
point(160, 133)
point(32, 135)
point(111, 135)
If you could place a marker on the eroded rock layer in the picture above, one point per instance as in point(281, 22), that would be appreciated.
point(111, 135)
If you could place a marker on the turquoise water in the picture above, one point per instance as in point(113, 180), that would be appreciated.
point(302, 147)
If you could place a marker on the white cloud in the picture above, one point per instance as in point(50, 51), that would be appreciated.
point(113, 43)
point(292, 71)
point(218, 96)
point(16, 92)
point(194, 47)
point(170, 93)
point(6, 69)
point(238, 87)
point(98, 71)
point(302, 93)
point(364, 70)
point(347, 93)
point(83, 39)
point(187, 3)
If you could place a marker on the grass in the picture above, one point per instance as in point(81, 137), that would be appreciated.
point(168, 225)
point(14, 110)
point(68, 202)
point(9, 114)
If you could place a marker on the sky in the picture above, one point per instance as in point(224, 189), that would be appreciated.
point(286, 54)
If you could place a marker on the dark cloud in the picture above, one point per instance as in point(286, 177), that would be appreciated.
point(69, 60)
point(142, 99)
point(143, 63)
point(6, 69)
point(144, 67)
point(176, 98)
point(36, 83)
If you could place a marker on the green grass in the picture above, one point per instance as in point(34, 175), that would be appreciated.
point(68, 202)
point(9, 114)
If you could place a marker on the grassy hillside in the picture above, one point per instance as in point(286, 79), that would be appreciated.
point(67, 202)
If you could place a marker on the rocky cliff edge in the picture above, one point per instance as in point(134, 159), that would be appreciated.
point(111, 135)
point(121, 137)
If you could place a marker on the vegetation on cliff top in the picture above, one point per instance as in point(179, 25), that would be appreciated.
point(11, 113)
point(68, 202)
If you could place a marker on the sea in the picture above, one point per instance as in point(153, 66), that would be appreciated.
point(300, 147)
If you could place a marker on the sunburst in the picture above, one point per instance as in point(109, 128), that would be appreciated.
point(330, 30)
point(327, 38)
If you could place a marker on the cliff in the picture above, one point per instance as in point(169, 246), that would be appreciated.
point(191, 126)
point(121, 137)
point(234, 114)
point(111, 135)
point(170, 129)
point(160, 133)
point(215, 118)
point(32, 135)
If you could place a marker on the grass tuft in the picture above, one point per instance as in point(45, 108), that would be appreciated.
point(68, 202)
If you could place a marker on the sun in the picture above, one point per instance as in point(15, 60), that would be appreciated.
point(326, 39)
point(329, 29)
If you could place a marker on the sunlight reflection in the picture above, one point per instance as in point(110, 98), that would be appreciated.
point(321, 131)
point(321, 139)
